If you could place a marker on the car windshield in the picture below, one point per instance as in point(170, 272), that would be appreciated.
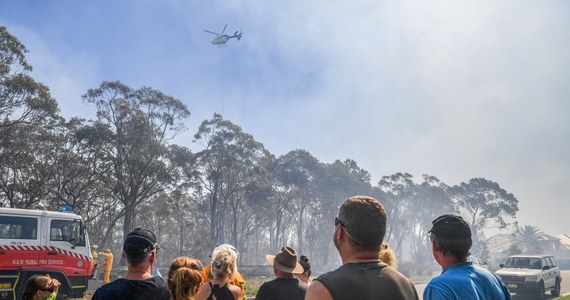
point(523, 262)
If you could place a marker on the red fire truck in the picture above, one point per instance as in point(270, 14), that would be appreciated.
point(43, 242)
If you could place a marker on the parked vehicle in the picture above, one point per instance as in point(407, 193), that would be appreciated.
point(531, 274)
point(476, 261)
point(43, 242)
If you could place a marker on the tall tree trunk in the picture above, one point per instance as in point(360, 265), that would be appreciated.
point(129, 219)
point(181, 247)
point(213, 213)
point(300, 229)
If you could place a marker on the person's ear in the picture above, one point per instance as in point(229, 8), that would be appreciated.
point(337, 231)
point(434, 245)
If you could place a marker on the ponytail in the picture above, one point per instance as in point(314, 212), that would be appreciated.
point(185, 283)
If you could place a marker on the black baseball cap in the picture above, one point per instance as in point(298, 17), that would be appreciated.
point(140, 241)
point(451, 227)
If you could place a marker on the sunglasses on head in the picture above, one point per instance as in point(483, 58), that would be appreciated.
point(337, 221)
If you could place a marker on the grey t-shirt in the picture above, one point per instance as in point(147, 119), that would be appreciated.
point(368, 281)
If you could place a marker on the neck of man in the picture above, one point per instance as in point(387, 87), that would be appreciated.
point(448, 260)
point(284, 275)
point(140, 272)
point(348, 255)
point(360, 257)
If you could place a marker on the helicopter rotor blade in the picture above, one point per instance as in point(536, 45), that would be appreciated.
point(224, 28)
point(211, 32)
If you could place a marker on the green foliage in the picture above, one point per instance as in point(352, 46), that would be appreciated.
point(527, 238)
point(22, 99)
point(131, 134)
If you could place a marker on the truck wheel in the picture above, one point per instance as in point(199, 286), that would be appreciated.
point(541, 290)
point(556, 291)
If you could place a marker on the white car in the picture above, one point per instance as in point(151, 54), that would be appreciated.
point(476, 261)
point(531, 274)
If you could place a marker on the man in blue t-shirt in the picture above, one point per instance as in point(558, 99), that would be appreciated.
point(451, 240)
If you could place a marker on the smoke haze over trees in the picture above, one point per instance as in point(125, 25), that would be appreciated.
point(122, 170)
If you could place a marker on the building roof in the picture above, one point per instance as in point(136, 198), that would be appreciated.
point(564, 241)
point(500, 242)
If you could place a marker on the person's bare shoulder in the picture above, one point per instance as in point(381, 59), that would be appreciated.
point(204, 292)
point(317, 291)
point(236, 291)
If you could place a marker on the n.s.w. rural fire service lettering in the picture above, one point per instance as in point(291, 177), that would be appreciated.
point(37, 262)
point(44, 248)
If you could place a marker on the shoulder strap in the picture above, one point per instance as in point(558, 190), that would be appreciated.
point(211, 291)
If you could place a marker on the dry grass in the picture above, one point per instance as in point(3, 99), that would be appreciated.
point(252, 285)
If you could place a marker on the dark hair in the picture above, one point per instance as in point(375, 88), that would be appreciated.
point(185, 278)
point(364, 220)
point(456, 247)
point(304, 261)
point(135, 259)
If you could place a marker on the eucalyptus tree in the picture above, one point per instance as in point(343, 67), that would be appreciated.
point(78, 173)
point(340, 180)
point(336, 182)
point(485, 202)
point(401, 203)
point(22, 99)
point(432, 201)
point(25, 168)
point(226, 165)
point(271, 221)
point(295, 186)
point(27, 111)
point(134, 128)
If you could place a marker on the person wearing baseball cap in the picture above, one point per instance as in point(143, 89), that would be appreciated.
point(285, 285)
point(139, 250)
point(451, 241)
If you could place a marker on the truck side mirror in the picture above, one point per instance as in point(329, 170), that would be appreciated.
point(502, 265)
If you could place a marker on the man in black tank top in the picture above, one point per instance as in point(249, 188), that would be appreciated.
point(359, 231)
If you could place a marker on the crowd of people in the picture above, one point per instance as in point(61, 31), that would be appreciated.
point(367, 271)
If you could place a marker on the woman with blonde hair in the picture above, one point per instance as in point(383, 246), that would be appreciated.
point(387, 256)
point(223, 269)
point(40, 287)
point(185, 278)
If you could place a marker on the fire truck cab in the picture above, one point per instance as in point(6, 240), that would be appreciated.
point(43, 242)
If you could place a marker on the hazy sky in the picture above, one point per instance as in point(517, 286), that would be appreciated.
point(454, 89)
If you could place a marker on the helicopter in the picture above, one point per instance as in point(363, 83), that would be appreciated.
point(222, 38)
